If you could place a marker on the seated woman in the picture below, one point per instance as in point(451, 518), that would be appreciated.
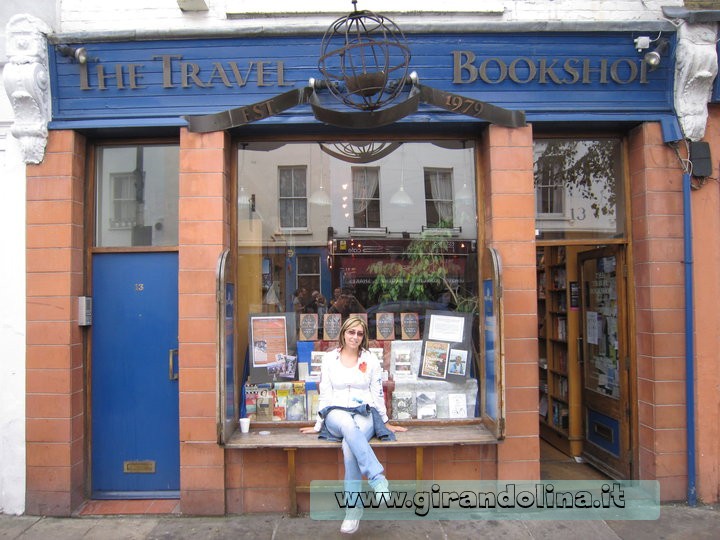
point(352, 409)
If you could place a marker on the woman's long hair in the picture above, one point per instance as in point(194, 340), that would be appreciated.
point(352, 320)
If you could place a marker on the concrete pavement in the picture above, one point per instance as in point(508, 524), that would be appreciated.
point(676, 522)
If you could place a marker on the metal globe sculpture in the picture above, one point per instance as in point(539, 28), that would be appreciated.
point(364, 60)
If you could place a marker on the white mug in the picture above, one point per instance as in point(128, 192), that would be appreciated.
point(245, 425)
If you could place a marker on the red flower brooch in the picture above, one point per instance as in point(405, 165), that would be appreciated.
point(363, 367)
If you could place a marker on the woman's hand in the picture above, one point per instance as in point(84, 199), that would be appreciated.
point(395, 429)
point(308, 430)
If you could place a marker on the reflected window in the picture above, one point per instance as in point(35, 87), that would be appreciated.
point(439, 197)
point(579, 188)
point(293, 197)
point(366, 196)
point(137, 196)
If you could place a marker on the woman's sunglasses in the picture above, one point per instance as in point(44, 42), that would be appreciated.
point(358, 333)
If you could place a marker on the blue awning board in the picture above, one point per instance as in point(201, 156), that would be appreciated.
point(540, 73)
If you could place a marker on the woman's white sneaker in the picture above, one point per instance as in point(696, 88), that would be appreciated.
point(349, 526)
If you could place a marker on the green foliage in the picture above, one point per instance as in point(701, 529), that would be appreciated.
point(423, 274)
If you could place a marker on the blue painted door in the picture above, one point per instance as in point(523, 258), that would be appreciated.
point(135, 433)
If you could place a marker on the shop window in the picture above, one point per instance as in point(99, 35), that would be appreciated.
point(293, 197)
point(578, 188)
point(417, 286)
point(137, 196)
point(366, 196)
point(439, 197)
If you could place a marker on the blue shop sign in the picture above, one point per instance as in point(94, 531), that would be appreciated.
point(550, 76)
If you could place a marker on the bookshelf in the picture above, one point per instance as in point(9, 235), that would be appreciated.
point(558, 330)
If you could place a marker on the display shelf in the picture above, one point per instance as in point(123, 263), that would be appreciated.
point(559, 375)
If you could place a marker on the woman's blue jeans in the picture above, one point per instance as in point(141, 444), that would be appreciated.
point(360, 460)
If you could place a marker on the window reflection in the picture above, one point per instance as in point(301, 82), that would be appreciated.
point(578, 188)
point(137, 200)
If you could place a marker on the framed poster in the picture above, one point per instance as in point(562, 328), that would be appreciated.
point(268, 335)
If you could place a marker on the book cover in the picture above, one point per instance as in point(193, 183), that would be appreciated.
point(426, 405)
point(409, 326)
point(282, 392)
point(384, 326)
point(316, 360)
point(434, 363)
point(313, 398)
point(295, 409)
point(405, 359)
point(264, 403)
point(331, 326)
point(251, 395)
point(308, 327)
point(457, 405)
point(403, 405)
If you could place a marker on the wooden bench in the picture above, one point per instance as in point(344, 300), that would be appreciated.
point(289, 438)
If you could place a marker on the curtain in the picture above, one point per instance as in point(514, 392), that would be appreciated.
point(365, 182)
point(441, 189)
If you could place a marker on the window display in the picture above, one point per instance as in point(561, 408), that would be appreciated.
point(415, 286)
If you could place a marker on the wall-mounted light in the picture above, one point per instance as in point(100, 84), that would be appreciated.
point(654, 57)
point(79, 54)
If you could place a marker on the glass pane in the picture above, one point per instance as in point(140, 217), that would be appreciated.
point(308, 265)
point(299, 183)
point(390, 265)
point(579, 188)
point(137, 196)
point(286, 213)
point(300, 213)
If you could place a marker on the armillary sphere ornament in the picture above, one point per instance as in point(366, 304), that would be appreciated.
point(364, 60)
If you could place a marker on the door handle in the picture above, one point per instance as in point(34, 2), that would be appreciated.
point(172, 374)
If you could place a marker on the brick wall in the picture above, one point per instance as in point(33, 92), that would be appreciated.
point(204, 232)
point(55, 413)
point(656, 202)
point(507, 202)
point(706, 257)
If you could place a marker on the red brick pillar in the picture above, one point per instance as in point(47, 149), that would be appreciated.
point(507, 199)
point(55, 408)
point(706, 231)
point(657, 234)
point(204, 232)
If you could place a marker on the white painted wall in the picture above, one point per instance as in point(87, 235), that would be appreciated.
point(164, 15)
point(12, 320)
point(12, 282)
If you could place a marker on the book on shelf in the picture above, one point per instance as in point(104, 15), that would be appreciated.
point(313, 398)
point(265, 403)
